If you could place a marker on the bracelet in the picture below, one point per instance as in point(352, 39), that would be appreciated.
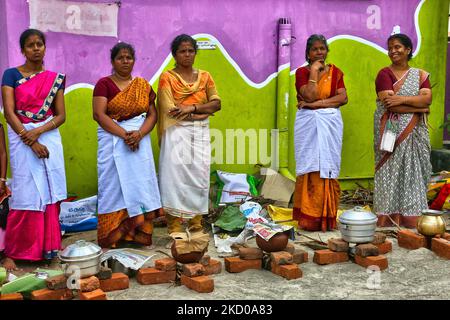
point(20, 133)
point(3, 179)
point(313, 81)
point(54, 124)
point(140, 133)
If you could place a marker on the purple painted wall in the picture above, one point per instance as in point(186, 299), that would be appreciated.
point(3, 37)
point(249, 38)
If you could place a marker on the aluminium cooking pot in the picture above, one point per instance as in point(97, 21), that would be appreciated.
point(83, 256)
point(357, 225)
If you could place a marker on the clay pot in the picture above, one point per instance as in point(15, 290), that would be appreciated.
point(191, 257)
point(278, 242)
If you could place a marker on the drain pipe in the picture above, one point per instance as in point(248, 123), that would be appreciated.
point(283, 87)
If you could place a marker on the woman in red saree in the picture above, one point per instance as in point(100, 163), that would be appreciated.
point(33, 99)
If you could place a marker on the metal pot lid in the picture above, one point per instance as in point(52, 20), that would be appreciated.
point(357, 216)
point(81, 249)
point(431, 212)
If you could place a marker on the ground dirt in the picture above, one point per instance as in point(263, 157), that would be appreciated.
point(412, 274)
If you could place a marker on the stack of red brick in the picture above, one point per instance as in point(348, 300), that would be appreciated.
point(283, 263)
point(90, 288)
point(367, 254)
point(411, 240)
point(195, 276)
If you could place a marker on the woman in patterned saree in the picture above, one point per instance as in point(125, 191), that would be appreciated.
point(318, 138)
point(128, 194)
point(187, 97)
point(33, 99)
point(401, 176)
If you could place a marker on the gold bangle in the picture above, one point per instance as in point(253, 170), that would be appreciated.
point(20, 133)
point(54, 124)
point(140, 133)
point(3, 179)
point(313, 81)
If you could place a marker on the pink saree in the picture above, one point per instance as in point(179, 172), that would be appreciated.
point(32, 229)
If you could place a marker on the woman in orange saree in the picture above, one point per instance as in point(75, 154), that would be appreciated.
point(128, 193)
point(318, 139)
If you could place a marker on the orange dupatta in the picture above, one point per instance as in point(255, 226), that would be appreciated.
point(131, 102)
point(173, 90)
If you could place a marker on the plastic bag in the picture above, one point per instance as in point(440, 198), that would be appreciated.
point(235, 187)
point(79, 215)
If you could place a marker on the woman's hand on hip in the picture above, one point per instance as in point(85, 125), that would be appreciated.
point(40, 150)
point(30, 137)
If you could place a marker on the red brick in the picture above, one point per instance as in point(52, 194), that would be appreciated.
point(202, 284)
point(155, 276)
point(235, 264)
point(379, 238)
point(300, 256)
point(281, 257)
point(327, 256)
point(214, 267)
point(166, 264)
point(193, 269)
point(118, 281)
point(205, 260)
point(338, 245)
point(411, 240)
point(89, 284)
point(380, 261)
point(104, 273)
point(288, 271)
point(290, 248)
point(98, 294)
point(47, 294)
point(11, 296)
point(385, 247)
point(56, 282)
point(250, 253)
point(441, 247)
point(366, 250)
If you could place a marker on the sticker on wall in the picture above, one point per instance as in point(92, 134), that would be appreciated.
point(206, 45)
point(93, 19)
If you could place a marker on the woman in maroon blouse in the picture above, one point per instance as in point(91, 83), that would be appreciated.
point(401, 142)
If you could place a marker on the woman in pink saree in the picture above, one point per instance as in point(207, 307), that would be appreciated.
point(33, 99)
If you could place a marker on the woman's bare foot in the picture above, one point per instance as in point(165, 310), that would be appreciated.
point(9, 264)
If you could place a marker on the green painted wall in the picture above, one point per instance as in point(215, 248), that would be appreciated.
point(250, 108)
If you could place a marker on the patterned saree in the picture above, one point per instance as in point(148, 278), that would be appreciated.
point(401, 176)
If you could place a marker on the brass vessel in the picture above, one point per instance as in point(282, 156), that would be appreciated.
point(431, 223)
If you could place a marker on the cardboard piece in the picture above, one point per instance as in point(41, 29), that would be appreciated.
point(277, 187)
